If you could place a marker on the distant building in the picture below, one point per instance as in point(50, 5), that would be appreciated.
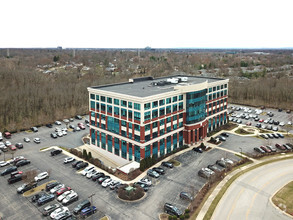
point(151, 117)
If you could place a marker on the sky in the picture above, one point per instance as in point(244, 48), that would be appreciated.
point(142, 23)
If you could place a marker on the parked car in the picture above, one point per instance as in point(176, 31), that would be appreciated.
point(146, 181)
point(62, 190)
point(37, 140)
point(271, 148)
point(3, 163)
point(78, 117)
point(26, 187)
point(58, 211)
point(49, 125)
point(70, 198)
point(221, 163)
point(51, 185)
point(37, 196)
point(106, 182)
point(167, 164)
point(214, 168)
point(64, 215)
point(91, 173)
point(45, 199)
point(159, 170)
point(81, 206)
point(69, 160)
point(197, 149)
point(280, 135)
point(71, 126)
point(75, 163)
point(186, 195)
point(275, 135)
point(63, 195)
point(56, 188)
point(280, 147)
point(113, 184)
point(102, 179)
point(171, 209)
point(8, 170)
point(34, 129)
point(81, 165)
point(50, 208)
point(264, 136)
point(19, 145)
point(225, 134)
point(88, 211)
point(57, 122)
point(86, 170)
point(41, 176)
point(265, 149)
point(97, 176)
point(56, 152)
point(287, 147)
point(22, 162)
point(54, 135)
point(205, 172)
point(26, 139)
point(15, 178)
point(152, 173)
point(12, 147)
point(275, 128)
point(259, 150)
point(221, 138)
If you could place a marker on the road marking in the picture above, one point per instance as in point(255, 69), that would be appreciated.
point(263, 186)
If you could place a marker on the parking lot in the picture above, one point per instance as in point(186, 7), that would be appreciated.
point(165, 189)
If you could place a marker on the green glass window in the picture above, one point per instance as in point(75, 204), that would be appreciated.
point(92, 96)
point(129, 114)
point(123, 112)
point(129, 104)
point(109, 109)
point(175, 99)
point(180, 97)
point(136, 106)
point(155, 113)
point(137, 116)
point(162, 111)
point(210, 89)
point(147, 116)
point(103, 99)
point(175, 109)
point(168, 100)
point(116, 101)
point(109, 100)
point(97, 97)
point(116, 111)
point(147, 106)
point(162, 102)
point(123, 103)
point(155, 104)
point(168, 109)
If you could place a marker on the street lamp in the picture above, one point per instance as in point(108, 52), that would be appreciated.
point(240, 150)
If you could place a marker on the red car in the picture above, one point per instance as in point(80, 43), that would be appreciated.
point(62, 190)
point(12, 147)
point(261, 120)
point(248, 123)
point(280, 147)
point(267, 150)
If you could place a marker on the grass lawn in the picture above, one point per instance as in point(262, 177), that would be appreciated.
point(242, 131)
point(174, 162)
point(283, 198)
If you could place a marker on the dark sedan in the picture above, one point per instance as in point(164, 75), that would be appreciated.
point(22, 163)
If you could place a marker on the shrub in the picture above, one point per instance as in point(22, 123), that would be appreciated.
point(89, 156)
point(187, 211)
point(84, 154)
point(135, 194)
point(182, 217)
point(186, 215)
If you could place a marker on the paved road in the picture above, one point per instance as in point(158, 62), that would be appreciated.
point(249, 196)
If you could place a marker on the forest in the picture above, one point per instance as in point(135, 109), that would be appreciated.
point(39, 86)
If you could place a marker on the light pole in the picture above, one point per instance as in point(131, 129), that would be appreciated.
point(91, 197)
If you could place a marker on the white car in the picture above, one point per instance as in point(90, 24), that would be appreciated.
point(41, 176)
point(64, 133)
point(227, 161)
point(56, 188)
point(86, 170)
point(64, 129)
point(107, 182)
point(3, 163)
point(77, 129)
point(60, 134)
point(57, 129)
point(26, 139)
point(62, 196)
point(8, 143)
point(146, 181)
point(289, 123)
point(91, 173)
point(57, 122)
point(69, 159)
point(58, 211)
point(37, 140)
point(282, 123)
point(69, 198)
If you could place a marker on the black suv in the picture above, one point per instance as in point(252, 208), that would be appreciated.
point(172, 210)
point(8, 170)
point(81, 206)
point(14, 178)
point(26, 187)
point(81, 165)
point(75, 163)
point(97, 176)
point(167, 164)
point(56, 152)
point(159, 170)
point(22, 162)
point(51, 185)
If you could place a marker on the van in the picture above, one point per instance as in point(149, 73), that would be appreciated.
point(172, 210)
point(7, 135)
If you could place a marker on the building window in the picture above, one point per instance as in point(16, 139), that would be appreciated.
point(214, 88)
point(168, 109)
point(129, 104)
point(175, 108)
point(155, 104)
point(137, 153)
point(103, 140)
point(93, 136)
point(162, 102)
point(162, 147)
point(180, 105)
point(103, 99)
point(162, 122)
point(162, 111)
point(136, 106)
point(168, 119)
point(109, 109)
point(147, 138)
point(155, 134)
point(155, 149)
point(147, 151)
point(92, 96)
point(175, 99)
point(92, 104)
point(97, 97)
point(123, 149)
point(97, 106)
point(136, 127)
point(129, 114)
point(210, 89)
point(109, 142)
point(147, 127)
point(109, 100)
point(180, 97)
point(162, 132)
point(147, 106)
point(155, 114)
point(168, 100)
point(116, 146)
point(147, 116)
point(225, 86)
point(123, 103)
point(116, 101)
point(123, 112)
point(130, 151)
point(116, 111)
point(155, 124)
point(137, 116)
point(103, 107)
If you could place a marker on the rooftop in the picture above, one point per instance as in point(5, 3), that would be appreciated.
point(148, 86)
